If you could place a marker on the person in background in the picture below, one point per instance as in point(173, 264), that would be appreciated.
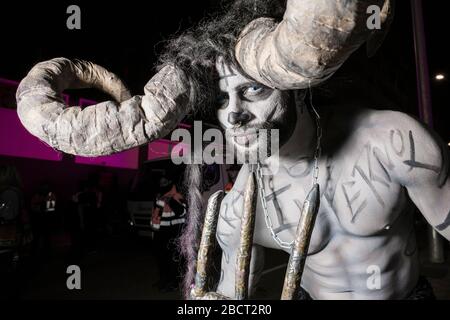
point(83, 219)
point(111, 217)
point(88, 204)
point(11, 208)
point(43, 218)
point(11, 196)
point(168, 217)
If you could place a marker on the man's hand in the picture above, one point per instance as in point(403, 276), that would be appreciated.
point(156, 216)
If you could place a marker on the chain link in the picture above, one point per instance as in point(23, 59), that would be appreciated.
point(318, 150)
point(267, 219)
point(315, 177)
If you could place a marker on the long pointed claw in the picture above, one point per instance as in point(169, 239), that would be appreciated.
point(299, 252)
point(207, 241)
point(246, 242)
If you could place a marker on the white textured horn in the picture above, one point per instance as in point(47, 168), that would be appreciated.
point(104, 128)
point(312, 41)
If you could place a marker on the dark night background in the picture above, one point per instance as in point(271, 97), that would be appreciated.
point(126, 37)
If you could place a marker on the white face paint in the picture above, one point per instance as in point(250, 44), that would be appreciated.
point(245, 106)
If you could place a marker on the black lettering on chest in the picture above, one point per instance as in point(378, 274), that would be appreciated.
point(371, 158)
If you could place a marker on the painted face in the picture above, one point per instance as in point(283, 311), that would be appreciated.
point(245, 106)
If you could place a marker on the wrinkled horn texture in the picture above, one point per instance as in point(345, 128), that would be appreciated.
point(107, 127)
point(312, 41)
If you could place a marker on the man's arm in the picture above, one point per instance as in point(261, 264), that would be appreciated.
point(423, 168)
point(156, 217)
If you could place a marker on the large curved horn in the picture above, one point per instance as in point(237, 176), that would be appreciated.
point(312, 41)
point(104, 128)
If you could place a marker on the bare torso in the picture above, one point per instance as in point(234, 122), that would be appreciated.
point(364, 228)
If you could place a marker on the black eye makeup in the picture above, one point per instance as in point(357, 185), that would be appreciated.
point(222, 100)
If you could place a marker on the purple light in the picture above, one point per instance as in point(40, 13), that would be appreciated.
point(16, 141)
point(9, 83)
point(66, 98)
point(127, 160)
point(82, 102)
point(23, 144)
point(185, 126)
point(162, 148)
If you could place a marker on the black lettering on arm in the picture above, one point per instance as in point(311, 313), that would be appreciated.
point(445, 224)
point(418, 154)
point(413, 163)
point(445, 166)
point(397, 142)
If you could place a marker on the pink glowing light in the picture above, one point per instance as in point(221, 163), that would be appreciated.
point(126, 160)
point(16, 141)
point(82, 102)
point(162, 148)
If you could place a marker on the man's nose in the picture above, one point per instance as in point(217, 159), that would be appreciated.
point(238, 118)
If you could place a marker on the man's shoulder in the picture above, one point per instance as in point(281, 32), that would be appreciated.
point(398, 139)
point(352, 131)
point(398, 129)
point(346, 127)
point(378, 126)
point(383, 120)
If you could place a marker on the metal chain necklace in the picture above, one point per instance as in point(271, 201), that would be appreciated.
point(315, 176)
point(267, 219)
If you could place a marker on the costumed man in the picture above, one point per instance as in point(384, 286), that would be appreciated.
point(43, 219)
point(254, 64)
